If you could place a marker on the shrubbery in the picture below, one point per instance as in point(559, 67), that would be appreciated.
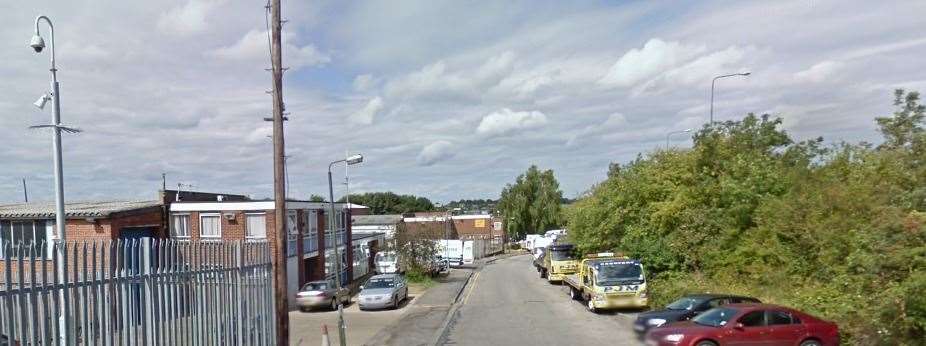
point(839, 231)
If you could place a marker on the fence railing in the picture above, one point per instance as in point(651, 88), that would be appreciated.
point(137, 292)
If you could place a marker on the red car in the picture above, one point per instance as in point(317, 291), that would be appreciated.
point(747, 324)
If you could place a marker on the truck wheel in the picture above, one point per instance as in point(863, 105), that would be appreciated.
point(573, 294)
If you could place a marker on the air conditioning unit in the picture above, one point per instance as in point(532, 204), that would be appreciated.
point(229, 216)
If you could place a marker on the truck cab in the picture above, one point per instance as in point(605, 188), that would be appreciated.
point(607, 281)
point(559, 262)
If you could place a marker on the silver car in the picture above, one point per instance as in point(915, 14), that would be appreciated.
point(383, 291)
point(321, 294)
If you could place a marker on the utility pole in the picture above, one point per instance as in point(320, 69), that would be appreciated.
point(25, 191)
point(279, 179)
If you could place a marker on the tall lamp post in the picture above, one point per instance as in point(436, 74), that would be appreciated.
point(744, 74)
point(672, 133)
point(38, 44)
point(350, 160)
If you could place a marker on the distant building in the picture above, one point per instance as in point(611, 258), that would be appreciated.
point(364, 224)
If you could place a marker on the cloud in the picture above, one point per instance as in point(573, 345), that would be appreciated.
point(614, 122)
point(187, 19)
point(819, 72)
point(656, 56)
point(434, 153)
point(364, 82)
point(366, 115)
point(506, 121)
point(441, 79)
point(253, 47)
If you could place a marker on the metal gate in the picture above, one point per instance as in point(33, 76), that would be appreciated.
point(137, 292)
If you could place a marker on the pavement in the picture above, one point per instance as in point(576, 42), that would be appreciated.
point(414, 323)
point(506, 303)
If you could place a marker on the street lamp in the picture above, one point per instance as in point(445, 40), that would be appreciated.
point(672, 133)
point(744, 74)
point(38, 45)
point(350, 160)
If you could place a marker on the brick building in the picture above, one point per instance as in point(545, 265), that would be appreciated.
point(309, 251)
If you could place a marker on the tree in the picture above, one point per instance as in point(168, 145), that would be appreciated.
point(316, 198)
point(532, 204)
point(390, 203)
point(906, 125)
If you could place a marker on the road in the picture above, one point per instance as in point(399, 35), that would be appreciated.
point(506, 303)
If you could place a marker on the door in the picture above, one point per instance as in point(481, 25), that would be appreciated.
point(749, 330)
point(783, 328)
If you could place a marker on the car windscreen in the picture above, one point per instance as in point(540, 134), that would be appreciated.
point(618, 272)
point(562, 254)
point(685, 303)
point(716, 317)
point(315, 286)
point(385, 257)
point(380, 283)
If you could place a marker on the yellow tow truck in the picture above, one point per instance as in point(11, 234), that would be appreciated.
point(608, 281)
point(559, 262)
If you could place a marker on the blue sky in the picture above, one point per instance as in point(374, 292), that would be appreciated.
point(446, 99)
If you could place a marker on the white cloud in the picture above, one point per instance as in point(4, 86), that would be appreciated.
point(440, 79)
point(656, 56)
point(819, 72)
point(435, 152)
point(364, 82)
point(506, 121)
point(614, 122)
point(187, 19)
point(253, 47)
point(366, 115)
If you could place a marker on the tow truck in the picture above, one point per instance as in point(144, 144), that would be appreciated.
point(608, 281)
point(559, 262)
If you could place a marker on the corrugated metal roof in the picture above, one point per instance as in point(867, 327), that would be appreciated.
point(73, 209)
point(362, 220)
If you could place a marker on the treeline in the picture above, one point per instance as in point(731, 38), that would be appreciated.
point(391, 203)
point(839, 231)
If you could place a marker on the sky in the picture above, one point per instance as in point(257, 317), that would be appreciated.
point(445, 99)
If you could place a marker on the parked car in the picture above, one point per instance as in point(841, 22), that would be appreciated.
point(747, 324)
point(383, 291)
point(684, 309)
point(387, 262)
point(321, 294)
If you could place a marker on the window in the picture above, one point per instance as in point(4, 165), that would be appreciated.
point(713, 303)
point(23, 236)
point(210, 225)
point(180, 225)
point(310, 236)
point(778, 317)
point(256, 225)
point(753, 319)
point(292, 232)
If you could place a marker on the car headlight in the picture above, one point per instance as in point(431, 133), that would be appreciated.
point(656, 322)
point(643, 294)
point(599, 297)
point(674, 337)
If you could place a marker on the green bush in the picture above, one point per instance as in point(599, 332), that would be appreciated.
point(837, 231)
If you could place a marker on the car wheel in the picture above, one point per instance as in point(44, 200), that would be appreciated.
point(573, 294)
point(591, 306)
point(706, 343)
point(334, 304)
point(303, 309)
point(810, 342)
point(395, 302)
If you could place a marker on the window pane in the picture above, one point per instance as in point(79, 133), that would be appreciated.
point(753, 319)
point(291, 222)
point(180, 225)
point(6, 232)
point(257, 226)
point(211, 226)
point(778, 317)
point(41, 240)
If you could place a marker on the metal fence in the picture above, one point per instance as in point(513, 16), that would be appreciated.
point(137, 292)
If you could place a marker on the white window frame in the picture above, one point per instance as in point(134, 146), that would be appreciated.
point(39, 226)
point(173, 229)
point(247, 225)
point(205, 215)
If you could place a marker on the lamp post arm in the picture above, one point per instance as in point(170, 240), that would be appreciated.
point(51, 29)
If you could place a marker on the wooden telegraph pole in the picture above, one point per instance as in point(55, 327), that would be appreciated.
point(279, 181)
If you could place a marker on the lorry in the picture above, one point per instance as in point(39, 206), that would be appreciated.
point(559, 262)
point(608, 281)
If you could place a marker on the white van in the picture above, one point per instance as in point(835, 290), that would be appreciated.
point(387, 262)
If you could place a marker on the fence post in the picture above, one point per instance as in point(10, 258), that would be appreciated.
point(148, 291)
point(239, 269)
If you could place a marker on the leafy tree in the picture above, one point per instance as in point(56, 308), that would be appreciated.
point(532, 204)
point(837, 230)
point(391, 203)
point(316, 198)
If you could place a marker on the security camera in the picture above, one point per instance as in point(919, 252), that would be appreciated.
point(37, 43)
point(40, 103)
